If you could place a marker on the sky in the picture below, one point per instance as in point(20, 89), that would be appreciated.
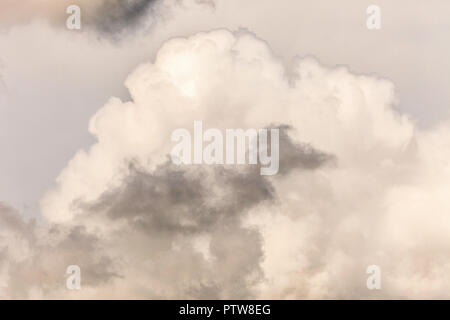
point(85, 123)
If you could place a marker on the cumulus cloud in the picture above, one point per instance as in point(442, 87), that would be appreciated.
point(358, 185)
point(116, 16)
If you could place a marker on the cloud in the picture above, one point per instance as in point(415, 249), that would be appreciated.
point(299, 155)
point(108, 17)
point(358, 185)
point(204, 206)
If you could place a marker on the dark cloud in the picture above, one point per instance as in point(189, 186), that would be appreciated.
point(174, 204)
point(172, 194)
point(118, 16)
point(181, 199)
point(109, 17)
point(295, 155)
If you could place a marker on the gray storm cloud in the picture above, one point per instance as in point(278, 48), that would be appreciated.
point(115, 16)
point(358, 185)
point(199, 210)
point(106, 16)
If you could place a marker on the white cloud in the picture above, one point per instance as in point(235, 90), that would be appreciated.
point(312, 233)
